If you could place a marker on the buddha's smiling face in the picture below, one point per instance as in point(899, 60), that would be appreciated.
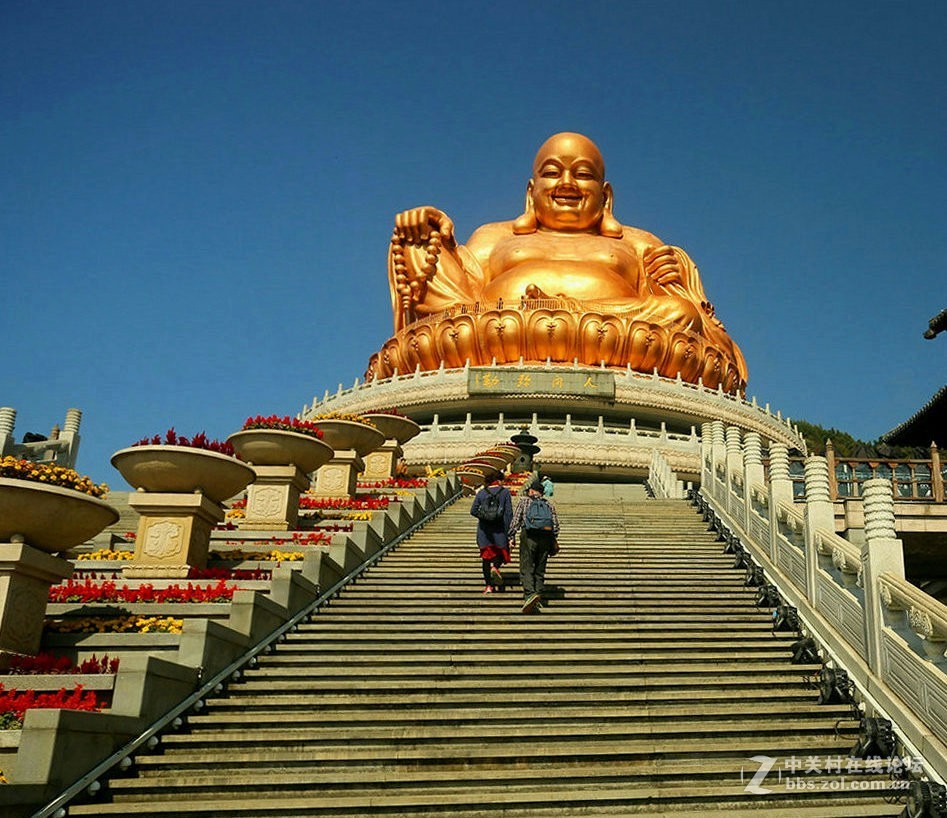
point(568, 184)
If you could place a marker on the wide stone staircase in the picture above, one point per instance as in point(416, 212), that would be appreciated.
point(645, 686)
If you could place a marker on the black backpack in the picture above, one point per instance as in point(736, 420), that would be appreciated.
point(490, 510)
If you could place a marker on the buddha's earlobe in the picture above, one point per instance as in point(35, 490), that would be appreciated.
point(527, 223)
point(610, 226)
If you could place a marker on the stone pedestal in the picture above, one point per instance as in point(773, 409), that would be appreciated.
point(381, 463)
point(173, 533)
point(273, 498)
point(26, 575)
point(337, 478)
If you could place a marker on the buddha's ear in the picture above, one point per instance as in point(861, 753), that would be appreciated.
point(610, 226)
point(527, 223)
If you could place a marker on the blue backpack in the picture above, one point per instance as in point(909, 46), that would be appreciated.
point(538, 516)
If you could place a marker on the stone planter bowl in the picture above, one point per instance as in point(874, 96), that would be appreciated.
point(183, 470)
point(499, 462)
point(349, 434)
point(279, 447)
point(394, 427)
point(50, 518)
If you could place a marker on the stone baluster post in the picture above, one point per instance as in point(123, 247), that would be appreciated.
point(820, 516)
point(719, 454)
point(937, 477)
point(734, 457)
point(706, 456)
point(780, 489)
point(881, 553)
point(7, 423)
point(70, 433)
point(833, 478)
point(752, 469)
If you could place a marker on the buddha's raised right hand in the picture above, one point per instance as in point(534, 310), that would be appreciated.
point(416, 225)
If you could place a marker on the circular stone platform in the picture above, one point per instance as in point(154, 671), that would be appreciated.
point(591, 422)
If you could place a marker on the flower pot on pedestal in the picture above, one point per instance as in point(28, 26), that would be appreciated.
point(179, 496)
point(350, 441)
point(398, 430)
point(282, 461)
point(36, 521)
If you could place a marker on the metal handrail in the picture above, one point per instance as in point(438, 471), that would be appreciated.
point(56, 807)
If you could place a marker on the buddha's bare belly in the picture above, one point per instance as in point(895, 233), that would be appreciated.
point(581, 280)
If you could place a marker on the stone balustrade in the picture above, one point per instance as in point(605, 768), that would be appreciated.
point(668, 395)
point(852, 598)
point(663, 480)
point(60, 447)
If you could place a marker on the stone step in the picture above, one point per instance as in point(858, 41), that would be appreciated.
point(541, 679)
point(619, 799)
point(486, 654)
point(409, 701)
point(340, 783)
point(503, 753)
point(231, 714)
point(645, 687)
point(396, 738)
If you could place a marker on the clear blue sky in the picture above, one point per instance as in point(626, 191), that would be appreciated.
point(196, 197)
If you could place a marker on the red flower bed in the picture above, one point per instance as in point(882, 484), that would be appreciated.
point(88, 592)
point(284, 424)
point(312, 538)
point(14, 703)
point(229, 573)
point(199, 441)
point(396, 483)
point(346, 503)
point(46, 663)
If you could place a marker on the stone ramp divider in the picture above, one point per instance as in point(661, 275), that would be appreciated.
point(62, 754)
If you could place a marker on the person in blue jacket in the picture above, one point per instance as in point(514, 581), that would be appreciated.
point(493, 509)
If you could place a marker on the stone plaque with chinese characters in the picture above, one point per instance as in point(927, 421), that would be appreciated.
point(497, 381)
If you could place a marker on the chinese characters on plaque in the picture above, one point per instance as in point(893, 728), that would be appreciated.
point(496, 381)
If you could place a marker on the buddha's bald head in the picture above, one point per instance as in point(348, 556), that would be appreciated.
point(568, 191)
point(573, 145)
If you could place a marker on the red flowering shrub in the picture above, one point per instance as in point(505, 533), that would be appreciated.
point(312, 538)
point(228, 573)
point(285, 424)
point(395, 483)
point(89, 592)
point(14, 703)
point(199, 441)
point(46, 663)
point(346, 503)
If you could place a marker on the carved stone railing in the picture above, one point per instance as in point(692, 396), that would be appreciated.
point(60, 447)
point(911, 479)
point(632, 389)
point(854, 600)
point(663, 480)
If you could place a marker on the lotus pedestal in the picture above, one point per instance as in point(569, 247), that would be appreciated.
point(273, 498)
point(37, 520)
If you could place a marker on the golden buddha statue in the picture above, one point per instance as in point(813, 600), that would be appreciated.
point(563, 282)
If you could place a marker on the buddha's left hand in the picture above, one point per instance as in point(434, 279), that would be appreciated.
point(663, 266)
